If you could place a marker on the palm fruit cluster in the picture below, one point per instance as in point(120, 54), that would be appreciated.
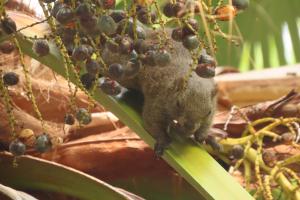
point(86, 28)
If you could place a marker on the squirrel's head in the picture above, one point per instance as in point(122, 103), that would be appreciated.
point(196, 106)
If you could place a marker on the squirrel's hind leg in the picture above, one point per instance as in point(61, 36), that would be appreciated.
point(155, 123)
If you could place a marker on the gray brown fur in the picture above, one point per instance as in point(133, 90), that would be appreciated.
point(193, 107)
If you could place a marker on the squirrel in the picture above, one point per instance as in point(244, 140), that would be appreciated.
point(172, 101)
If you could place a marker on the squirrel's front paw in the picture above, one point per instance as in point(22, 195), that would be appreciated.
point(215, 145)
point(160, 146)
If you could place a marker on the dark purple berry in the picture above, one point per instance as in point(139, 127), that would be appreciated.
point(43, 143)
point(129, 29)
point(67, 34)
point(17, 148)
point(168, 10)
point(65, 15)
point(69, 119)
point(141, 46)
point(191, 27)
point(118, 15)
point(205, 71)
point(41, 47)
point(109, 87)
point(92, 67)
point(107, 25)
point(7, 47)
point(178, 7)
point(241, 4)
point(132, 68)
point(237, 151)
point(10, 78)
point(146, 18)
point(80, 53)
point(191, 42)
point(177, 34)
point(133, 55)
point(206, 59)
point(57, 6)
point(8, 25)
point(83, 10)
point(115, 71)
point(125, 45)
point(83, 116)
point(148, 58)
point(87, 80)
point(90, 24)
point(162, 58)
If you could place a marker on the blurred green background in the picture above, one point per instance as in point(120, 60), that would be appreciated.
point(271, 33)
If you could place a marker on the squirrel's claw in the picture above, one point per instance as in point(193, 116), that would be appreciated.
point(160, 146)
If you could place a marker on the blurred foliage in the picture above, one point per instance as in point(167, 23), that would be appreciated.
point(266, 27)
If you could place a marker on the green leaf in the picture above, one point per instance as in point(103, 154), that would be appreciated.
point(37, 174)
point(185, 156)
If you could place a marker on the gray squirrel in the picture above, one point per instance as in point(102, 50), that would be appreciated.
point(168, 105)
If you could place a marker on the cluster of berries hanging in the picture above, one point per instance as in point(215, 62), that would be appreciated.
point(83, 29)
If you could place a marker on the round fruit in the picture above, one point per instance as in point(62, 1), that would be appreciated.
point(8, 25)
point(107, 25)
point(129, 29)
point(178, 7)
point(141, 46)
point(109, 86)
point(83, 116)
point(118, 15)
point(10, 78)
point(206, 59)
point(143, 16)
point(237, 151)
point(80, 53)
point(162, 58)
point(225, 13)
point(148, 59)
point(241, 4)
point(83, 10)
point(132, 68)
point(92, 67)
point(177, 34)
point(125, 45)
point(89, 24)
point(133, 55)
point(43, 143)
point(69, 119)
point(64, 15)
point(57, 6)
point(115, 71)
point(205, 71)
point(87, 80)
point(191, 42)
point(17, 148)
point(41, 47)
point(168, 10)
point(191, 27)
point(7, 47)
